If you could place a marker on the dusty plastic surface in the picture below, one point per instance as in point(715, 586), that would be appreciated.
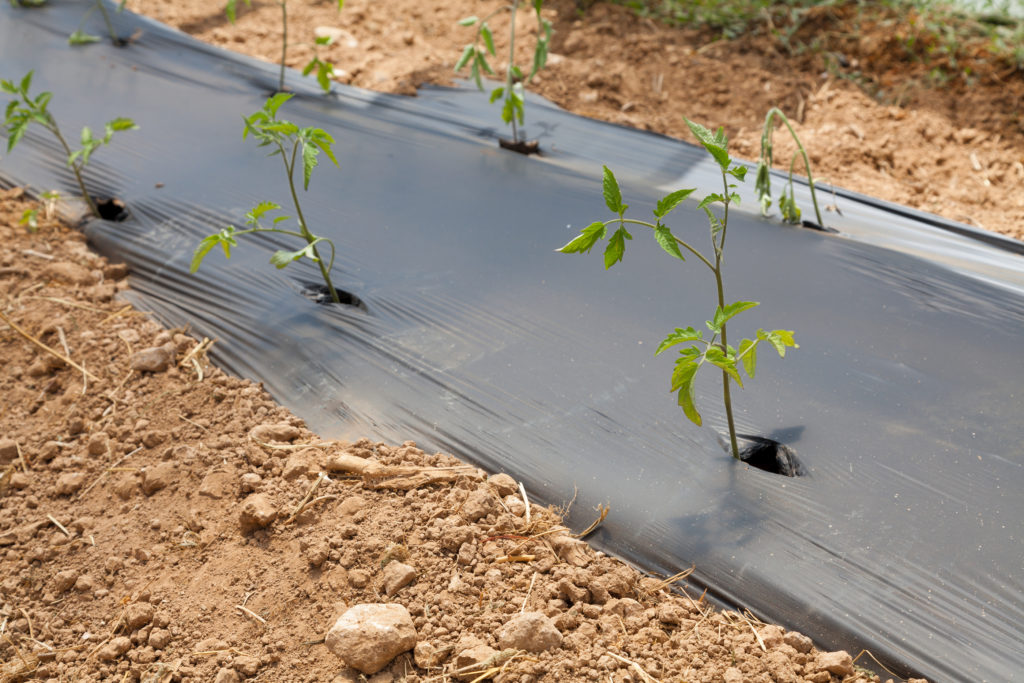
point(904, 401)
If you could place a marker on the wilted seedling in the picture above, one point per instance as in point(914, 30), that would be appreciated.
point(787, 203)
point(48, 206)
point(512, 93)
point(25, 110)
point(80, 37)
point(324, 70)
point(294, 145)
point(715, 351)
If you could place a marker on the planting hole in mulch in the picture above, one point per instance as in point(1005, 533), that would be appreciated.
point(526, 147)
point(319, 293)
point(112, 209)
point(770, 455)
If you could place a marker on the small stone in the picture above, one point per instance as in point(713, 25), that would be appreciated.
point(159, 638)
point(8, 452)
point(317, 554)
point(225, 675)
point(358, 578)
point(771, 636)
point(301, 464)
point(246, 665)
point(65, 580)
point(839, 663)
point(70, 483)
point(154, 359)
point(427, 656)
point(467, 552)
point(503, 484)
point(84, 584)
point(69, 272)
point(114, 649)
point(249, 482)
point(274, 432)
point(217, 484)
point(472, 657)
point(158, 477)
point(98, 443)
point(479, 504)
point(397, 576)
point(138, 614)
point(530, 631)
point(798, 641)
point(368, 637)
point(732, 675)
point(257, 513)
point(572, 592)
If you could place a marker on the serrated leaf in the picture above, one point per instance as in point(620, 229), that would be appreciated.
point(282, 258)
point(467, 54)
point(273, 103)
point(309, 162)
point(710, 199)
point(585, 241)
point(719, 358)
point(682, 382)
point(732, 310)
point(257, 212)
point(714, 143)
point(780, 339)
point(279, 219)
point(612, 194)
point(748, 356)
point(679, 336)
point(225, 238)
point(79, 37)
point(670, 201)
point(738, 172)
point(616, 248)
point(667, 241)
point(485, 33)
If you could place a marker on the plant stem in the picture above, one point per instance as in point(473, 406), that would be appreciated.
point(106, 19)
point(284, 47)
point(719, 249)
point(807, 162)
point(74, 168)
point(513, 8)
point(290, 169)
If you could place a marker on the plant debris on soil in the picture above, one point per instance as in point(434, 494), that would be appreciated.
point(162, 521)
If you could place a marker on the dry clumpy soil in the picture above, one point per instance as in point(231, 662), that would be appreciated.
point(941, 135)
point(161, 521)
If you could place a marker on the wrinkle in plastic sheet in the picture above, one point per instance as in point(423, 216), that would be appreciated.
point(904, 399)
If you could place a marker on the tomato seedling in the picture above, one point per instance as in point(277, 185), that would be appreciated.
point(716, 350)
point(25, 110)
point(293, 145)
point(324, 70)
point(762, 185)
point(80, 37)
point(512, 93)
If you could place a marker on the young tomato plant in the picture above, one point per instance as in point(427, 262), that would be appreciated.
point(475, 55)
point(716, 350)
point(294, 145)
point(762, 185)
point(25, 110)
point(324, 70)
point(80, 37)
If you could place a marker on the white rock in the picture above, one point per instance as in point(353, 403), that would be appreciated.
point(530, 631)
point(368, 637)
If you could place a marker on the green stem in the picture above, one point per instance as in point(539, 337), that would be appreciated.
point(726, 395)
point(306, 234)
point(652, 226)
point(284, 43)
point(807, 162)
point(74, 168)
point(511, 61)
point(110, 24)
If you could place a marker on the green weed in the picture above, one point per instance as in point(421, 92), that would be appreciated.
point(294, 145)
point(699, 351)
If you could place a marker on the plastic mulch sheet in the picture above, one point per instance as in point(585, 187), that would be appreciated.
point(904, 400)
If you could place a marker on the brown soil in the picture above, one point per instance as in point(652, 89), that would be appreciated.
point(173, 524)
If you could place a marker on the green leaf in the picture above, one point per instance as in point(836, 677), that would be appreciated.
point(42, 101)
point(274, 103)
point(282, 258)
point(481, 60)
point(585, 241)
point(667, 241)
point(257, 212)
point(679, 336)
point(715, 143)
point(616, 247)
point(323, 76)
point(780, 339)
point(496, 93)
point(309, 162)
point(323, 40)
point(748, 356)
point(738, 172)
point(306, 70)
point(225, 238)
point(467, 53)
point(682, 381)
point(121, 123)
point(231, 6)
point(323, 141)
point(485, 33)
point(710, 199)
point(30, 218)
point(612, 194)
point(79, 37)
point(727, 362)
point(734, 309)
point(468, 21)
point(670, 201)
point(26, 82)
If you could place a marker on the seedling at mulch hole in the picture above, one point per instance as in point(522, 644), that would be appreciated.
point(318, 293)
point(715, 351)
point(294, 145)
point(25, 110)
point(324, 70)
point(762, 185)
point(512, 93)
